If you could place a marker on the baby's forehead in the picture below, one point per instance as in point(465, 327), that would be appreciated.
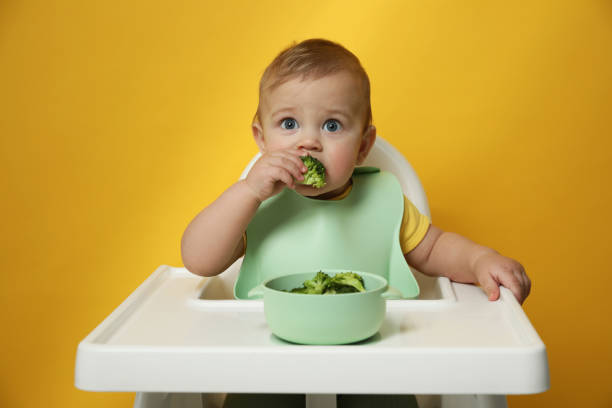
point(337, 90)
point(275, 80)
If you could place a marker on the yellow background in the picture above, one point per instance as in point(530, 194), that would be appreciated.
point(119, 121)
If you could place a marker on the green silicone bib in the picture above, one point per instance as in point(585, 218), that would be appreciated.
point(291, 233)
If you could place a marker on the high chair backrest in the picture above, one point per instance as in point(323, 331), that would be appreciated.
point(386, 157)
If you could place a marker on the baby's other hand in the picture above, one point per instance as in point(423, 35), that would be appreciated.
point(492, 269)
point(275, 170)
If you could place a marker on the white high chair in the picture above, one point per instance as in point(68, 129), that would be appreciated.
point(182, 341)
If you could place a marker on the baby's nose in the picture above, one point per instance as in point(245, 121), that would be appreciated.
point(311, 144)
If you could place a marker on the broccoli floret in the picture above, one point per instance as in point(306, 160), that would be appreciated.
point(315, 175)
point(323, 284)
point(314, 286)
point(347, 282)
point(319, 283)
point(298, 290)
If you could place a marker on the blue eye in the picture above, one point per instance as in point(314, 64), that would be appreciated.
point(332, 125)
point(289, 123)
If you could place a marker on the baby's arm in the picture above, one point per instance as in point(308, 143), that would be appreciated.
point(213, 239)
point(448, 254)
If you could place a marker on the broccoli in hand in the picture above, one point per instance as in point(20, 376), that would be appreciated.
point(315, 175)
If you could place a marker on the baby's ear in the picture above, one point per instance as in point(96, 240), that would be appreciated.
point(367, 141)
point(258, 136)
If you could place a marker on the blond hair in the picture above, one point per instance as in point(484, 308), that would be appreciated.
point(313, 59)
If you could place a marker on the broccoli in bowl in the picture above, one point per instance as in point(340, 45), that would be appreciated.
point(323, 284)
point(354, 312)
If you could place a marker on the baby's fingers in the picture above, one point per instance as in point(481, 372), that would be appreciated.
point(525, 282)
point(281, 174)
point(489, 286)
point(494, 270)
point(515, 282)
point(290, 163)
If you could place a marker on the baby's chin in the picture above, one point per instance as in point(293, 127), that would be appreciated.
point(309, 191)
point(322, 193)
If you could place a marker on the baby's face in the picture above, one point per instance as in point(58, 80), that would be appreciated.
point(323, 117)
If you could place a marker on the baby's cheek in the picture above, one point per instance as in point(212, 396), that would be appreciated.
point(340, 168)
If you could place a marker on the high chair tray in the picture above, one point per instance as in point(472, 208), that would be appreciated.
point(166, 337)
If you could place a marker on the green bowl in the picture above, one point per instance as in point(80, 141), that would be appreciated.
point(324, 319)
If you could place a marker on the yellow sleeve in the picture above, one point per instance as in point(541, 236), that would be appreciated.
point(414, 227)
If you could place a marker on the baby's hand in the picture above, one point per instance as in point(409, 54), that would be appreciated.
point(492, 269)
point(274, 171)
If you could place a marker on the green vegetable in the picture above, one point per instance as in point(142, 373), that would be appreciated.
point(350, 281)
point(315, 175)
point(323, 284)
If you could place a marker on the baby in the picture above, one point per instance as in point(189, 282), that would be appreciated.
point(314, 100)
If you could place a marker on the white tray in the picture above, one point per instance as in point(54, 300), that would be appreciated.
point(169, 336)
